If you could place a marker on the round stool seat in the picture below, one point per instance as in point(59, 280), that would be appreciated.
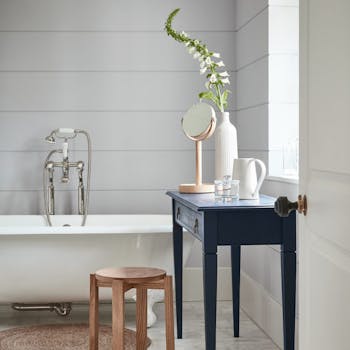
point(130, 274)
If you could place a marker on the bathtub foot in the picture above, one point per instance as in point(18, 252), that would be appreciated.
point(61, 309)
point(153, 296)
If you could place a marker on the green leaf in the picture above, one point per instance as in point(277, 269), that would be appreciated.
point(216, 100)
point(224, 97)
point(207, 95)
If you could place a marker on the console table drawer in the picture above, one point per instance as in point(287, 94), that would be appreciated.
point(191, 220)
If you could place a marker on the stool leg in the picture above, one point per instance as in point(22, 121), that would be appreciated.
point(93, 313)
point(141, 318)
point(118, 315)
point(169, 313)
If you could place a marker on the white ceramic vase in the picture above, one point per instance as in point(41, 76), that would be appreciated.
point(226, 149)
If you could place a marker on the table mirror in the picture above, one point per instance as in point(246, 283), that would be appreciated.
point(198, 124)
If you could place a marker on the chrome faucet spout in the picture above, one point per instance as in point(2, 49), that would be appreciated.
point(65, 163)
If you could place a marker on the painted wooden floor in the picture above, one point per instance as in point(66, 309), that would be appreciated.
point(252, 338)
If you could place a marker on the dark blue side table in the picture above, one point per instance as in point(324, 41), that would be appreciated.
point(243, 222)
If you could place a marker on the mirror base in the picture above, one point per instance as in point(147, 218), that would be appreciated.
point(193, 188)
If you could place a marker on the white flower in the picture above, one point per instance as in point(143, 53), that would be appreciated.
point(208, 61)
point(225, 81)
point(203, 70)
point(224, 74)
point(196, 55)
point(196, 42)
point(191, 50)
point(187, 43)
point(201, 59)
point(202, 65)
point(221, 64)
point(184, 34)
point(213, 78)
point(216, 54)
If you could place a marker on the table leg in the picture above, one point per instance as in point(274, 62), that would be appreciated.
point(178, 262)
point(236, 277)
point(288, 269)
point(210, 292)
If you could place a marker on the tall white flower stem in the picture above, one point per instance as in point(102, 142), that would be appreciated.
point(212, 65)
point(216, 80)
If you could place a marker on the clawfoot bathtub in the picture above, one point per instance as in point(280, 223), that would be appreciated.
point(41, 264)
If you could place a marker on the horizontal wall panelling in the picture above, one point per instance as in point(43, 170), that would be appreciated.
point(101, 202)
point(114, 15)
point(145, 130)
point(106, 51)
point(112, 170)
point(246, 10)
point(252, 85)
point(252, 40)
point(252, 124)
point(123, 91)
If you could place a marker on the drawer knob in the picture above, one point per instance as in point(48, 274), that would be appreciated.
point(195, 227)
point(178, 213)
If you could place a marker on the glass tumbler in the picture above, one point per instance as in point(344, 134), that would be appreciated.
point(226, 190)
point(219, 190)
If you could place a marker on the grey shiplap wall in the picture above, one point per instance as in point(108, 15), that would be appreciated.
point(254, 59)
point(252, 78)
point(107, 67)
point(256, 44)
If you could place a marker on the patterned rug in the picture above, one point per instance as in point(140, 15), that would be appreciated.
point(60, 337)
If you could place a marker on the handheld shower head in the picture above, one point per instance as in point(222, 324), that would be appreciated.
point(62, 133)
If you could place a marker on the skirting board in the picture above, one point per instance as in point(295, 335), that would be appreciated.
point(255, 300)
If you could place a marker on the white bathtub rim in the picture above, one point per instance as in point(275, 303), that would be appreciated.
point(101, 224)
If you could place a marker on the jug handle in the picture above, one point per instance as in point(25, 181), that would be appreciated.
point(262, 176)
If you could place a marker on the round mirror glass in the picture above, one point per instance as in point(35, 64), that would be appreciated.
point(199, 122)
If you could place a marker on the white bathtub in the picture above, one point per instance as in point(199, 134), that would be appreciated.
point(40, 264)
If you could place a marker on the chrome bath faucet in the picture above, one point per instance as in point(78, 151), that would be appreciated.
point(65, 165)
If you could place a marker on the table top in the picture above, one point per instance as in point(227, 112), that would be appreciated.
point(206, 201)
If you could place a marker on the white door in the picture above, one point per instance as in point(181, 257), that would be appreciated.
point(324, 244)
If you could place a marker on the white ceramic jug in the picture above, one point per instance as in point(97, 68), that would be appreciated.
point(244, 170)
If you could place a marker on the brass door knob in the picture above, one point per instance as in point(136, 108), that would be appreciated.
point(283, 207)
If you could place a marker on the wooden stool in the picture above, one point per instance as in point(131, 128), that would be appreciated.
point(121, 280)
